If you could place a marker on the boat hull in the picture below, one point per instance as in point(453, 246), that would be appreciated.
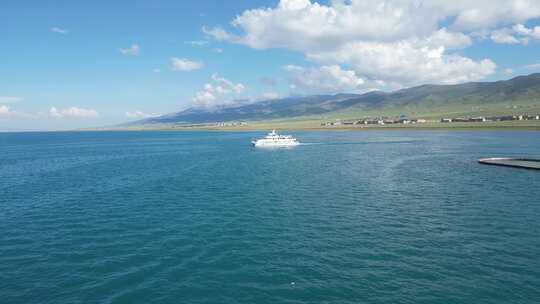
point(259, 143)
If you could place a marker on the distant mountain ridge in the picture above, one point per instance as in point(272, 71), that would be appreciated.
point(523, 89)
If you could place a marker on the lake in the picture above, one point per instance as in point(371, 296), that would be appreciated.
point(203, 217)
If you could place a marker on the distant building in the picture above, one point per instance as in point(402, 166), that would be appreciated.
point(504, 118)
point(374, 121)
point(531, 117)
point(404, 121)
point(232, 124)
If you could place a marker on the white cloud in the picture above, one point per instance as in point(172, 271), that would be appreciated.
point(218, 50)
point(10, 99)
point(5, 112)
point(134, 50)
point(196, 42)
point(404, 63)
point(269, 96)
point(139, 115)
point(534, 66)
point(447, 39)
point(218, 33)
point(504, 36)
point(521, 29)
point(488, 14)
point(73, 112)
point(59, 30)
point(509, 71)
point(528, 32)
point(326, 79)
point(516, 34)
point(183, 64)
point(399, 41)
point(301, 24)
point(219, 92)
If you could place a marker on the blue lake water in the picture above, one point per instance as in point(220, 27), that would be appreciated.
point(202, 217)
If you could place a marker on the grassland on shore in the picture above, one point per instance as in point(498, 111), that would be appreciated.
point(431, 113)
point(308, 124)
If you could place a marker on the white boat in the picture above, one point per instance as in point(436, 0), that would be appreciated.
point(276, 140)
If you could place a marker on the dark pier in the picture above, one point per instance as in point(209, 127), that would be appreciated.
point(512, 162)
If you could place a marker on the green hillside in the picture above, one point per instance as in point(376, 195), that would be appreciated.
point(519, 95)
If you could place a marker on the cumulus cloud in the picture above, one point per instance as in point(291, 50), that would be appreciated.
point(447, 39)
point(504, 36)
point(59, 30)
point(521, 29)
point(5, 112)
point(183, 64)
point(219, 91)
point(134, 50)
point(528, 32)
point(535, 32)
point(486, 14)
point(518, 33)
point(10, 99)
point(325, 79)
point(398, 41)
point(301, 24)
point(403, 62)
point(72, 112)
point(139, 115)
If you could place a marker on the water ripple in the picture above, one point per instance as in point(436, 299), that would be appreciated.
point(356, 217)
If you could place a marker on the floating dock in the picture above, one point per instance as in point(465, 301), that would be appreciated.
point(512, 162)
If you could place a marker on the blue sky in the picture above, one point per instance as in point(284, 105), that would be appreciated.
point(68, 64)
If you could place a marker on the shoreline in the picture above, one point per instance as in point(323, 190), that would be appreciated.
point(310, 126)
point(532, 125)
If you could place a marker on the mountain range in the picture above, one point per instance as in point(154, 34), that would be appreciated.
point(519, 94)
